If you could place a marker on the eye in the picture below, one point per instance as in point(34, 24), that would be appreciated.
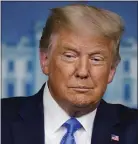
point(97, 59)
point(68, 56)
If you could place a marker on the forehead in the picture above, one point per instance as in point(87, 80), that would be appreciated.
point(82, 42)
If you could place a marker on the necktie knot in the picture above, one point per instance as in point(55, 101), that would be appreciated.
point(72, 125)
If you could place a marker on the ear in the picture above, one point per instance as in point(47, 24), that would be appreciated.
point(44, 62)
point(111, 75)
point(113, 71)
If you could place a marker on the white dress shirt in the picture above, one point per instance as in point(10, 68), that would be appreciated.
point(55, 116)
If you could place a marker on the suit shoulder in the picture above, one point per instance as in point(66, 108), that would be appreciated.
point(11, 106)
point(12, 102)
point(127, 114)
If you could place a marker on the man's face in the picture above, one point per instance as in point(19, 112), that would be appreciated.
point(79, 68)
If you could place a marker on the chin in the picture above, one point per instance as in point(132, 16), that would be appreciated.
point(82, 104)
point(80, 100)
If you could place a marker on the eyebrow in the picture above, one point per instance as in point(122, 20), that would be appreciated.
point(71, 49)
point(94, 51)
point(101, 51)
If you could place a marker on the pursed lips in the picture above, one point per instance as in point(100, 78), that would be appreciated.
point(81, 88)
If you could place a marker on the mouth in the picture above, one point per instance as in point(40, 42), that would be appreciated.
point(81, 89)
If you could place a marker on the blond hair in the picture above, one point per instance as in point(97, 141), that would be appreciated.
point(84, 18)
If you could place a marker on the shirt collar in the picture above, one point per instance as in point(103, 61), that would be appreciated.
point(87, 121)
point(55, 116)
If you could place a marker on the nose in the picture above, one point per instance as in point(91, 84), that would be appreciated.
point(82, 68)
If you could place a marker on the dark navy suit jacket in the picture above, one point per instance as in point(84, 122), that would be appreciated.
point(22, 122)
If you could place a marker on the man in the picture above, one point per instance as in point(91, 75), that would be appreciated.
point(79, 51)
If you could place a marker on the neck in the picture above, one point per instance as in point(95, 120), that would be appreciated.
point(75, 111)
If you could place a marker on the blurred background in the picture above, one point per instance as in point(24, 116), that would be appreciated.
point(22, 24)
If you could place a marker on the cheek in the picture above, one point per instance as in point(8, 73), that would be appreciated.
point(100, 76)
point(60, 71)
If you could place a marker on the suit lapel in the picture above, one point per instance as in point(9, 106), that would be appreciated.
point(29, 126)
point(106, 123)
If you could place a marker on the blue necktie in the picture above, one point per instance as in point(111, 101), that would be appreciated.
point(72, 125)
